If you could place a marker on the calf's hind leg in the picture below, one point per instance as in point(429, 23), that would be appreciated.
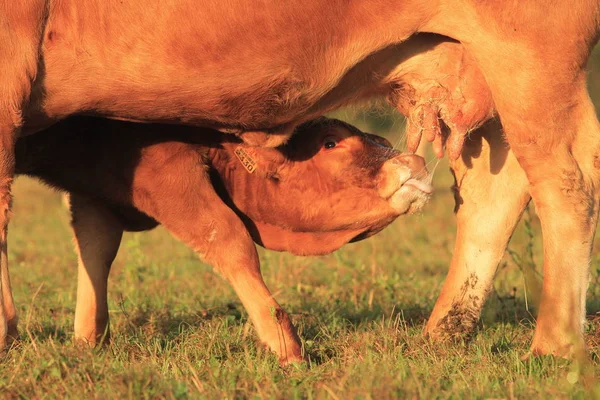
point(97, 238)
point(491, 192)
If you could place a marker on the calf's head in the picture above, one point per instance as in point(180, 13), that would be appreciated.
point(329, 185)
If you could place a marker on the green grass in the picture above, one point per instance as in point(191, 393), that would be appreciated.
point(179, 331)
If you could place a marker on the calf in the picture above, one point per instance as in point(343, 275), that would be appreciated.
point(311, 196)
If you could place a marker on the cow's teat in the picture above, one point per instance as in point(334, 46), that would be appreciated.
point(414, 162)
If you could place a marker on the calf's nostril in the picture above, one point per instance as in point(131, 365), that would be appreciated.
point(414, 162)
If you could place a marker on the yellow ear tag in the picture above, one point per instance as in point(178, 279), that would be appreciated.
point(245, 159)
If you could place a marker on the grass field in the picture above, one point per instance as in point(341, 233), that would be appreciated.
point(179, 331)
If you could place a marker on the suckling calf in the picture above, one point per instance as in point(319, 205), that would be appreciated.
point(329, 185)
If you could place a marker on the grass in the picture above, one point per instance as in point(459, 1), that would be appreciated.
point(180, 332)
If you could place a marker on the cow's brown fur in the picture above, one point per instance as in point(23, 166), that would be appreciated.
point(265, 67)
point(302, 198)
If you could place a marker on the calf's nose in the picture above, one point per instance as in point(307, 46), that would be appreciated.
point(414, 162)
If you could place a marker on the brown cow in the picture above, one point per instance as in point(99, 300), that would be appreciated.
point(330, 185)
point(264, 67)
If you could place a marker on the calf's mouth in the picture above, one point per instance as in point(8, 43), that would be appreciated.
point(424, 186)
point(413, 187)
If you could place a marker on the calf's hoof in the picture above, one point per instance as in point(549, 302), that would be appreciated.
point(12, 331)
point(291, 361)
point(92, 341)
point(8, 335)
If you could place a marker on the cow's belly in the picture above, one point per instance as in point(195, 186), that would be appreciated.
point(237, 69)
point(188, 99)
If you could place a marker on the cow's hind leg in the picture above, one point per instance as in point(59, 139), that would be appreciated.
point(21, 29)
point(97, 237)
point(551, 126)
point(535, 68)
point(563, 164)
point(491, 192)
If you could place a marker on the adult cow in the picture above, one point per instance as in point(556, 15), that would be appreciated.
point(262, 67)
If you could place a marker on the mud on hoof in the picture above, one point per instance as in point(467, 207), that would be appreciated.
point(459, 325)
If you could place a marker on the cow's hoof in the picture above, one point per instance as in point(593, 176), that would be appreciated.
point(568, 351)
point(452, 333)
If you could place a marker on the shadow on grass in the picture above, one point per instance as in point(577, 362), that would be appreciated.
point(319, 321)
point(315, 315)
point(48, 331)
point(170, 324)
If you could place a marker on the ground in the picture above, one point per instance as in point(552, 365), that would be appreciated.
point(179, 331)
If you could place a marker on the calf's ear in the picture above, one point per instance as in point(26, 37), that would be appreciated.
point(263, 162)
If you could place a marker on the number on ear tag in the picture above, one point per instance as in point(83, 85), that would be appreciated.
point(245, 159)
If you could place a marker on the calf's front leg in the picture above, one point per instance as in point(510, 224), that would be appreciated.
point(195, 214)
point(97, 237)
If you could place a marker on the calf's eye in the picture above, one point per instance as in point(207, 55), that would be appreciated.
point(329, 143)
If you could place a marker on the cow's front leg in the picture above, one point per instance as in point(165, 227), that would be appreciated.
point(97, 238)
point(195, 214)
point(8, 311)
point(491, 192)
point(21, 33)
point(8, 304)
